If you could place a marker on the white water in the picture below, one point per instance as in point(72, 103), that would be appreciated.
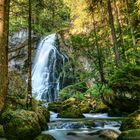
point(47, 69)
point(78, 129)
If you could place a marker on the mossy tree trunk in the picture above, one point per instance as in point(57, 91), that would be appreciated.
point(4, 22)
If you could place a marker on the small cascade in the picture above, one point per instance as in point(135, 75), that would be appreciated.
point(47, 70)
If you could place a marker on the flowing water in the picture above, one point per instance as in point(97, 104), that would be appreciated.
point(47, 70)
point(81, 129)
point(47, 79)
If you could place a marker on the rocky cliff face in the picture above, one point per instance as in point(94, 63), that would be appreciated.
point(17, 52)
point(79, 62)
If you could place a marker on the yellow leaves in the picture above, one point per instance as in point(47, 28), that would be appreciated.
point(138, 5)
point(79, 15)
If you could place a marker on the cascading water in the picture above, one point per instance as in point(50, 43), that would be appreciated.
point(47, 70)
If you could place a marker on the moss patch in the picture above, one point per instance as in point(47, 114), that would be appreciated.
point(132, 121)
point(71, 112)
point(133, 134)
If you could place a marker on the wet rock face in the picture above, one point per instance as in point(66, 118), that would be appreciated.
point(15, 41)
point(18, 51)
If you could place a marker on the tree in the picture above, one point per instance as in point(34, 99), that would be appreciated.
point(98, 48)
point(29, 96)
point(4, 21)
point(111, 21)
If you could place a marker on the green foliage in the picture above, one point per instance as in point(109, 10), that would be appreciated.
point(75, 90)
point(126, 79)
point(97, 88)
point(47, 16)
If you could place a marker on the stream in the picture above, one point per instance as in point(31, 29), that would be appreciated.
point(87, 128)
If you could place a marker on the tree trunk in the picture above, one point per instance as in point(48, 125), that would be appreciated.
point(111, 21)
point(99, 53)
point(120, 30)
point(29, 96)
point(131, 27)
point(4, 22)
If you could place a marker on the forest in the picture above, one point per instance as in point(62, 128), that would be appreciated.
point(69, 69)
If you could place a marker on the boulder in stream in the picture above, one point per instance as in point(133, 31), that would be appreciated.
point(21, 124)
point(109, 134)
point(71, 112)
point(132, 121)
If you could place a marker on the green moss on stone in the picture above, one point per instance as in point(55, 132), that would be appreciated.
point(21, 124)
point(71, 112)
point(132, 121)
point(133, 134)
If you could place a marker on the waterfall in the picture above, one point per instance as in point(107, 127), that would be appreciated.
point(47, 70)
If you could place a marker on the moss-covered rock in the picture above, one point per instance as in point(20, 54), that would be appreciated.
point(44, 137)
point(133, 134)
point(1, 131)
point(20, 124)
point(43, 117)
point(54, 106)
point(100, 108)
point(71, 112)
point(132, 121)
point(68, 103)
point(85, 107)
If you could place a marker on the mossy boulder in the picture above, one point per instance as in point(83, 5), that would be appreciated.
point(85, 107)
point(71, 112)
point(54, 106)
point(43, 117)
point(20, 124)
point(44, 137)
point(100, 108)
point(68, 103)
point(132, 121)
point(133, 134)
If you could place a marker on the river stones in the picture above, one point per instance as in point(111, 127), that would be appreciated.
point(72, 133)
point(109, 133)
